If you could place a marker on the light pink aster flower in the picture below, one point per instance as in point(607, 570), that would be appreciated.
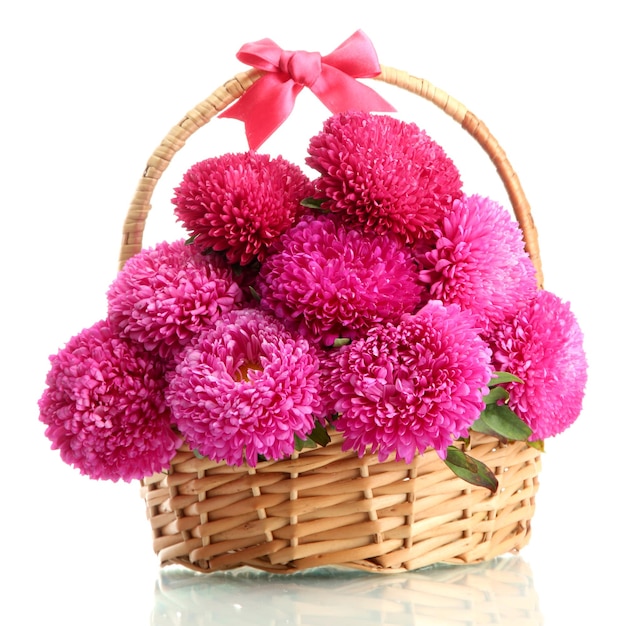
point(240, 203)
point(543, 345)
point(245, 388)
point(479, 261)
point(164, 295)
point(105, 409)
point(383, 173)
point(327, 280)
point(406, 387)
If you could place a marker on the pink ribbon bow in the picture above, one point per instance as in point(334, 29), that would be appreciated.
point(270, 100)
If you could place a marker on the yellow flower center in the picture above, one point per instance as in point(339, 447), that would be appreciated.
point(241, 375)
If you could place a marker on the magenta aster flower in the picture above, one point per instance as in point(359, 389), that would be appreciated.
point(328, 280)
point(240, 203)
point(245, 388)
point(543, 345)
point(105, 409)
point(384, 174)
point(479, 261)
point(164, 295)
point(406, 387)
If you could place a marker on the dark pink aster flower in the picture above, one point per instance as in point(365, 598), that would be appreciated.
point(327, 280)
point(164, 295)
point(240, 203)
point(105, 407)
point(479, 261)
point(543, 345)
point(384, 174)
point(245, 388)
point(406, 387)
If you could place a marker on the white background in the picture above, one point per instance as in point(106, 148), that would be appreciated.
point(89, 89)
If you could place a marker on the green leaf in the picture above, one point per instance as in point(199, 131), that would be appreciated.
point(320, 435)
point(504, 377)
point(312, 203)
point(496, 394)
point(502, 420)
point(255, 294)
point(317, 437)
point(470, 469)
point(341, 341)
point(538, 444)
point(480, 426)
point(304, 443)
point(197, 454)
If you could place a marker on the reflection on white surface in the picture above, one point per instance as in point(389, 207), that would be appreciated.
point(498, 592)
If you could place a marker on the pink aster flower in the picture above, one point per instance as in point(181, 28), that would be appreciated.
point(240, 203)
point(245, 388)
point(479, 261)
point(328, 280)
point(384, 174)
point(543, 345)
point(406, 387)
point(105, 409)
point(164, 295)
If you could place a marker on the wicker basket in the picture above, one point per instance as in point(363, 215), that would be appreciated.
point(323, 506)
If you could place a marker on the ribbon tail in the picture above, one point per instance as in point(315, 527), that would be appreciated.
point(264, 107)
point(340, 92)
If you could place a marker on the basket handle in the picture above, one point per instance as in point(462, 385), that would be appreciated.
point(200, 115)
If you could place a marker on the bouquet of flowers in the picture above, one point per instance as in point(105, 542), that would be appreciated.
point(372, 297)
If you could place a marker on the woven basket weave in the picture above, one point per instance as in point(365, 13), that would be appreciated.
point(323, 506)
